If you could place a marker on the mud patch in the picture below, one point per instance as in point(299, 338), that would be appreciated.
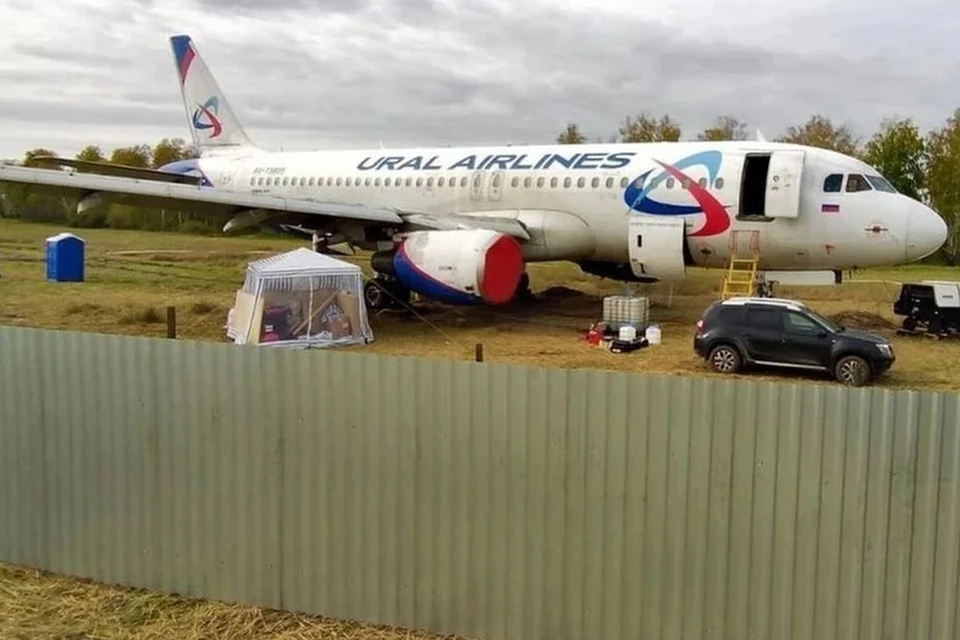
point(863, 320)
point(560, 293)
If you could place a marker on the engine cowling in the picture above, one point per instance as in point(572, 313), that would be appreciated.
point(463, 266)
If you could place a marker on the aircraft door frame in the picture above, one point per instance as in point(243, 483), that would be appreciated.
point(784, 180)
point(656, 247)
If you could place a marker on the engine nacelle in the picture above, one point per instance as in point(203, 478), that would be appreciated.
point(463, 266)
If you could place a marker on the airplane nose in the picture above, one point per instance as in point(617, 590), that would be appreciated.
point(926, 232)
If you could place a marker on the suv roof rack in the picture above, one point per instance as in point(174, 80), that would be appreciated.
point(780, 302)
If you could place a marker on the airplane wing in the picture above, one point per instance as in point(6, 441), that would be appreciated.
point(245, 208)
point(119, 170)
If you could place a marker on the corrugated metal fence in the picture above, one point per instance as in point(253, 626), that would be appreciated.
point(490, 501)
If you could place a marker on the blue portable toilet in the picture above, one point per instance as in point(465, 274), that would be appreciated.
point(65, 258)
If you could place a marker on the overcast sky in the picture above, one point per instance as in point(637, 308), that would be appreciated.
point(351, 73)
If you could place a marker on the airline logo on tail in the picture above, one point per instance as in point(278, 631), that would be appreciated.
point(206, 117)
point(717, 219)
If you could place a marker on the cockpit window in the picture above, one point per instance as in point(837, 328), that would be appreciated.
point(832, 183)
point(856, 182)
point(880, 184)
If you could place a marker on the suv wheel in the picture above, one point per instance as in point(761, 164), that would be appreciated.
point(725, 359)
point(852, 371)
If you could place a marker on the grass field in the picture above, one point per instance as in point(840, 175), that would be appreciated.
point(39, 606)
point(133, 276)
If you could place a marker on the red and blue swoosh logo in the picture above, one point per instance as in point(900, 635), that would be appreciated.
point(717, 220)
point(209, 111)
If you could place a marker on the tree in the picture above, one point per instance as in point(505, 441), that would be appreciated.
point(645, 128)
point(943, 180)
point(724, 128)
point(819, 131)
point(898, 152)
point(168, 150)
point(91, 153)
point(29, 158)
point(135, 156)
point(571, 135)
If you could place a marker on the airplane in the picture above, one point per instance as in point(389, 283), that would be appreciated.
point(459, 225)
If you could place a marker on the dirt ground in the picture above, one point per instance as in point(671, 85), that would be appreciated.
point(133, 276)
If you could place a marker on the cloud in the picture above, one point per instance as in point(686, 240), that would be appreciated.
point(422, 72)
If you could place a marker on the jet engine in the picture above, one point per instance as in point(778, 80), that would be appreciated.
point(463, 266)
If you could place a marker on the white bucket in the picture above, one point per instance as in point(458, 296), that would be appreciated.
point(653, 334)
point(628, 333)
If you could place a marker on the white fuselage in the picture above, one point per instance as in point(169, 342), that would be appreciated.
point(576, 198)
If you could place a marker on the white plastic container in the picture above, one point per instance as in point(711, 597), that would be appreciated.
point(653, 334)
point(628, 333)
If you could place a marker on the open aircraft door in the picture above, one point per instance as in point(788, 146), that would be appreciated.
point(783, 183)
point(656, 247)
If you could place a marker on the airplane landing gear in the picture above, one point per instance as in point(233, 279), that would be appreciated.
point(385, 293)
point(523, 288)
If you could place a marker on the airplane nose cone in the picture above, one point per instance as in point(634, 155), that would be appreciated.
point(926, 232)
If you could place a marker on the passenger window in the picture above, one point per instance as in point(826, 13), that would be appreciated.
point(386, 182)
point(339, 181)
point(718, 183)
point(540, 182)
point(670, 183)
point(856, 182)
point(800, 324)
point(440, 182)
point(526, 182)
point(409, 181)
point(770, 319)
point(463, 181)
point(515, 182)
point(553, 183)
point(624, 182)
point(419, 182)
point(730, 315)
point(376, 182)
point(303, 182)
point(609, 183)
point(832, 183)
point(581, 182)
point(496, 180)
point(367, 181)
point(702, 182)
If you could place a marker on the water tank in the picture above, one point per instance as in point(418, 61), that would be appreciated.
point(65, 258)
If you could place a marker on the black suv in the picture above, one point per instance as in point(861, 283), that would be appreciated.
point(785, 333)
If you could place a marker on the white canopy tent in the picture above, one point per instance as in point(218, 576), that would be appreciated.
point(300, 298)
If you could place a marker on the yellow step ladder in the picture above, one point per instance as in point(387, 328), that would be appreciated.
point(741, 276)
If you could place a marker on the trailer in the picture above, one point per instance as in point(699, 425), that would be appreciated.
point(930, 306)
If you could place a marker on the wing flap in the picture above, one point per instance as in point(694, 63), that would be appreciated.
point(452, 221)
point(150, 193)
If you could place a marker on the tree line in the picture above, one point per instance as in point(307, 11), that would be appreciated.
point(925, 166)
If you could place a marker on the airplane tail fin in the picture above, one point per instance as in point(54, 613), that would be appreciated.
point(213, 124)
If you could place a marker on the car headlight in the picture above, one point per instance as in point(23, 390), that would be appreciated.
point(886, 350)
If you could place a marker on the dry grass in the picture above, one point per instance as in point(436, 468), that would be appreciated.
point(132, 277)
point(43, 606)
